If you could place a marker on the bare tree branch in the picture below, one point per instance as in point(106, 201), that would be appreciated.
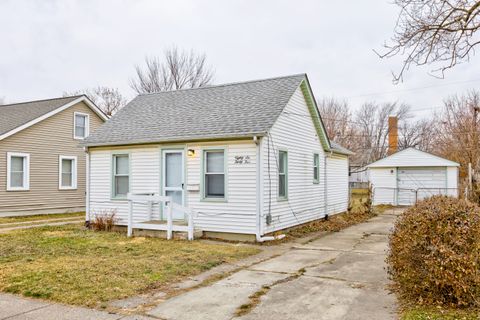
point(434, 32)
point(178, 70)
point(109, 100)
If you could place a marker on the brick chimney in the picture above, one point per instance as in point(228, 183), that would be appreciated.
point(392, 134)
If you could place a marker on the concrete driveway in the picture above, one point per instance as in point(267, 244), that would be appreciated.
point(339, 276)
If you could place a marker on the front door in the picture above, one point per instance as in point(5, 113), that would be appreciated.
point(173, 179)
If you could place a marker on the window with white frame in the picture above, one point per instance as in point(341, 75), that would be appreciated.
point(282, 174)
point(214, 170)
point(121, 175)
point(81, 124)
point(67, 172)
point(18, 171)
point(316, 168)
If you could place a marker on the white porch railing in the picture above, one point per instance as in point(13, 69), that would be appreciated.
point(169, 227)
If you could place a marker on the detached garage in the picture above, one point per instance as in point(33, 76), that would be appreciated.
point(410, 175)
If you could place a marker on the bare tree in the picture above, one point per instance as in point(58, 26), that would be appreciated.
point(440, 32)
point(458, 133)
point(337, 118)
point(177, 70)
point(2, 100)
point(109, 100)
point(419, 134)
point(371, 136)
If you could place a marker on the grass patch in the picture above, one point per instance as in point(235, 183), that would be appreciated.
point(72, 265)
point(41, 217)
point(440, 314)
point(358, 191)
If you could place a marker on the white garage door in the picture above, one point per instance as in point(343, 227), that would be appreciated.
point(419, 183)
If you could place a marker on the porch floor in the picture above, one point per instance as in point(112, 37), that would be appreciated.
point(175, 222)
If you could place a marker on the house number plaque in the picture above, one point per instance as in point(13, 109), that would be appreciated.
point(242, 159)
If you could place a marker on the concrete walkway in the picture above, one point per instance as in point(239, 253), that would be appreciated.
point(17, 308)
point(339, 276)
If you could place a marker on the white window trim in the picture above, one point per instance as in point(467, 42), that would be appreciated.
point(205, 196)
point(114, 195)
point(74, 172)
point(87, 125)
point(26, 171)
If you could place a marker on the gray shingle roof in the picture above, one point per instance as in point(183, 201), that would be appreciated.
point(224, 111)
point(339, 149)
point(14, 115)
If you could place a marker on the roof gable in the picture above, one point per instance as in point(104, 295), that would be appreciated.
point(19, 116)
point(412, 157)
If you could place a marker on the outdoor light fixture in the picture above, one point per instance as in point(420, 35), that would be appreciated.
point(191, 152)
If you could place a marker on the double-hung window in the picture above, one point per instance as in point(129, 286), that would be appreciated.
point(282, 174)
point(18, 171)
point(67, 172)
point(214, 170)
point(121, 175)
point(316, 168)
point(81, 124)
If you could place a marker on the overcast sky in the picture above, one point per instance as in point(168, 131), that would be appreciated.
point(49, 47)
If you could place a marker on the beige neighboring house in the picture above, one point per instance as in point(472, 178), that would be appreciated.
point(42, 165)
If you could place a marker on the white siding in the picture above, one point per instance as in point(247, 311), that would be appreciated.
point(452, 181)
point(430, 180)
point(412, 157)
point(294, 132)
point(337, 184)
point(384, 182)
point(144, 177)
point(236, 215)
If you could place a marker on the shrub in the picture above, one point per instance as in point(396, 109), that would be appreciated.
point(104, 221)
point(434, 253)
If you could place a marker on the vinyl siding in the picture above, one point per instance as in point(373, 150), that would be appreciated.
point(293, 132)
point(384, 182)
point(337, 184)
point(412, 157)
point(45, 141)
point(441, 180)
point(452, 181)
point(235, 215)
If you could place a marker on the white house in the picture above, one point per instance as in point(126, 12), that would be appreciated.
point(410, 175)
point(245, 158)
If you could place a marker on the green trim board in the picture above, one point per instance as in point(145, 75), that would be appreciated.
point(315, 114)
point(203, 151)
point(112, 174)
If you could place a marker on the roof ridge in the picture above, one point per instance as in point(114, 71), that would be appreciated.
point(40, 100)
point(225, 84)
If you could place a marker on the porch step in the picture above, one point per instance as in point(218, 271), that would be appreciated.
point(183, 235)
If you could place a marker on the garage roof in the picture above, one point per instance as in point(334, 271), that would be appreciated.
point(412, 157)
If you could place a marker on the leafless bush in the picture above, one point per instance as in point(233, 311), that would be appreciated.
point(434, 253)
point(104, 220)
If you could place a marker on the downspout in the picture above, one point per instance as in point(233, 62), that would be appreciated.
point(87, 186)
point(325, 179)
point(259, 195)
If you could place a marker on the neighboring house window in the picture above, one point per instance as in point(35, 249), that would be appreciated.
point(214, 169)
point(316, 168)
point(67, 172)
point(282, 174)
point(121, 172)
point(18, 171)
point(81, 123)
